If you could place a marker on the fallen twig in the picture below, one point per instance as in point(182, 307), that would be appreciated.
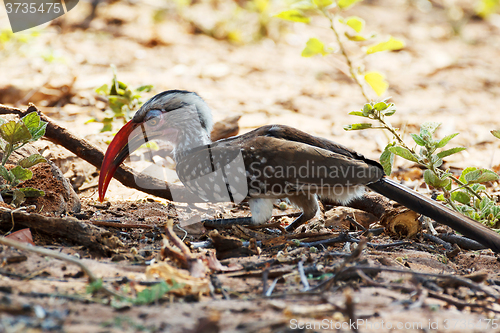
point(447, 246)
point(464, 242)
point(68, 228)
point(194, 264)
point(121, 225)
point(302, 275)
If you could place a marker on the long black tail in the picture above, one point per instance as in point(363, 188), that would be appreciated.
point(441, 214)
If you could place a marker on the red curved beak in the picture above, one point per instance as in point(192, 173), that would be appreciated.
point(119, 149)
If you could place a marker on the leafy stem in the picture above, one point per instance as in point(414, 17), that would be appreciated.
point(348, 60)
point(394, 132)
point(6, 154)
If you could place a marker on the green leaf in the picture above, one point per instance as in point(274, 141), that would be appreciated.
point(433, 180)
point(107, 127)
point(6, 174)
point(380, 106)
point(485, 8)
point(357, 113)
point(391, 109)
point(314, 46)
point(293, 15)
point(496, 133)
point(31, 120)
point(37, 134)
point(448, 152)
point(323, 3)
point(29, 161)
point(418, 139)
point(461, 197)
point(103, 90)
point(480, 176)
point(15, 132)
point(440, 197)
point(17, 198)
point(146, 88)
point(445, 140)
point(152, 294)
point(21, 173)
point(122, 85)
point(344, 4)
point(436, 160)
point(93, 287)
point(387, 159)
point(367, 109)
point(404, 153)
point(392, 44)
point(2, 121)
point(356, 37)
point(465, 172)
point(354, 127)
point(30, 192)
point(356, 23)
point(377, 82)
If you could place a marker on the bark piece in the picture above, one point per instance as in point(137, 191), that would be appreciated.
point(401, 222)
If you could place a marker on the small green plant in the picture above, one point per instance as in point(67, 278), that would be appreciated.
point(468, 196)
point(14, 135)
point(146, 296)
point(122, 101)
point(352, 29)
point(465, 194)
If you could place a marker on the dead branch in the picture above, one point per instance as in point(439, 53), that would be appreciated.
point(195, 264)
point(121, 225)
point(464, 242)
point(68, 228)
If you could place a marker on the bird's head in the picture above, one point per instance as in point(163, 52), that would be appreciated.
point(178, 116)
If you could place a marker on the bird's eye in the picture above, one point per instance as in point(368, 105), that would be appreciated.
point(153, 122)
point(153, 117)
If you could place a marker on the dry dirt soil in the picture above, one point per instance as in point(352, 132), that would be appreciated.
point(448, 72)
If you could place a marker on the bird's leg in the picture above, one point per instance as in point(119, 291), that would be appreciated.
point(262, 211)
point(309, 206)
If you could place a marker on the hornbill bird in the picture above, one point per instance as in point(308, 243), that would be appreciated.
point(268, 163)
